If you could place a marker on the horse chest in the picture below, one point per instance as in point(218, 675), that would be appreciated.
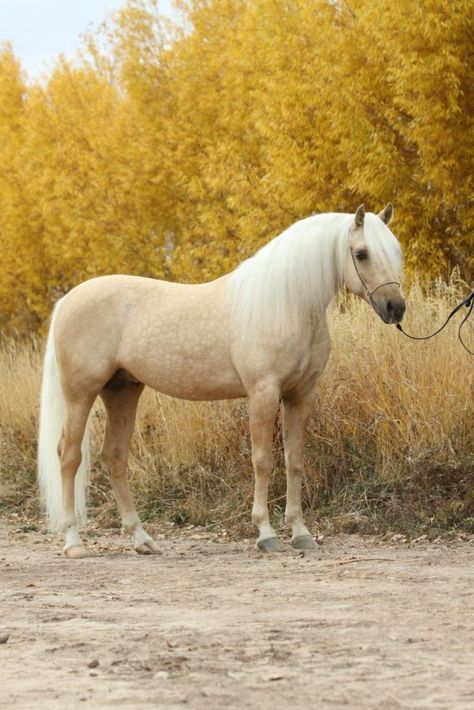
point(307, 360)
point(305, 373)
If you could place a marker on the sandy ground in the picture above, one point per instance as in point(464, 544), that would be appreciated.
point(213, 624)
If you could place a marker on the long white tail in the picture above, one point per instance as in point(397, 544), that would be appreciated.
point(51, 421)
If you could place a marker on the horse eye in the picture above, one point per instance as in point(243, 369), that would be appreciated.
point(362, 255)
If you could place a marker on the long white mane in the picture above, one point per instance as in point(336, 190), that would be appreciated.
point(296, 275)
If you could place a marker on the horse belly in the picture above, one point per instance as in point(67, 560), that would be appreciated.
point(193, 384)
point(196, 367)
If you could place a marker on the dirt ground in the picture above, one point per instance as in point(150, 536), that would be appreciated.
point(212, 623)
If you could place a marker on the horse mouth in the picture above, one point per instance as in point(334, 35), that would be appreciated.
point(391, 312)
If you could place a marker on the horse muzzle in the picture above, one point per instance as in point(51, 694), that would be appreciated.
point(391, 309)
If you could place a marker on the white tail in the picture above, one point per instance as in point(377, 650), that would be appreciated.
point(51, 421)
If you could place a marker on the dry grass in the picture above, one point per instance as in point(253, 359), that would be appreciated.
point(390, 443)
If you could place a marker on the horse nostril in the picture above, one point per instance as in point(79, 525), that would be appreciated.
point(395, 310)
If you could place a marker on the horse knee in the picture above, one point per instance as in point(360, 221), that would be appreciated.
point(262, 463)
point(294, 469)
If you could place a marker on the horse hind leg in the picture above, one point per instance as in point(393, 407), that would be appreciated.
point(70, 457)
point(120, 399)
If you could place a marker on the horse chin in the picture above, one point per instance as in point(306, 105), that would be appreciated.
point(389, 321)
point(381, 315)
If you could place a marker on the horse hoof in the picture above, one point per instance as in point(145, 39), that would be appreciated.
point(304, 542)
point(271, 544)
point(75, 552)
point(148, 548)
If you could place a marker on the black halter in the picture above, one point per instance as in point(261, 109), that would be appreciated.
point(468, 302)
point(370, 293)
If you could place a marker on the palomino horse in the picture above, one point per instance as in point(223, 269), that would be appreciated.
point(259, 332)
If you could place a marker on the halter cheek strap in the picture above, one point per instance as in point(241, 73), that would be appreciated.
point(370, 293)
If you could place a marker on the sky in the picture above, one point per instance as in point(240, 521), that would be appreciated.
point(39, 30)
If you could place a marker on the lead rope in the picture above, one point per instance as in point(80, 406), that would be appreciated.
point(469, 303)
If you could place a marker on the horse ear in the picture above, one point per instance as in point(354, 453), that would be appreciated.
point(359, 216)
point(387, 213)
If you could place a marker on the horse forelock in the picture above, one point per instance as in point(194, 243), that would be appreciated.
point(382, 244)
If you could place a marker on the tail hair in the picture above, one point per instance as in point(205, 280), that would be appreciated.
point(51, 420)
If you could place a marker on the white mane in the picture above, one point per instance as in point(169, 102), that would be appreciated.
point(297, 274)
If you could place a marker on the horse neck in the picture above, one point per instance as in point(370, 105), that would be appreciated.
point(291, 281)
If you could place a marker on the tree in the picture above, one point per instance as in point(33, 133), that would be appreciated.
point(177, 152)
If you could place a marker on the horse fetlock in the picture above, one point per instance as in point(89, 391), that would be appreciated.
point(293, 515)
point(260, 516)
point(69, 524)
point(131, 525)
point(298, 528)
point(265, 530)
point(70, 528)
point(73, 548)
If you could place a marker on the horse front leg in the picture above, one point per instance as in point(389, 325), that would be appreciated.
point(296, 411)
point(263, 407)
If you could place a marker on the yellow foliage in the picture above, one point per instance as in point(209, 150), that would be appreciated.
point(176, 152)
